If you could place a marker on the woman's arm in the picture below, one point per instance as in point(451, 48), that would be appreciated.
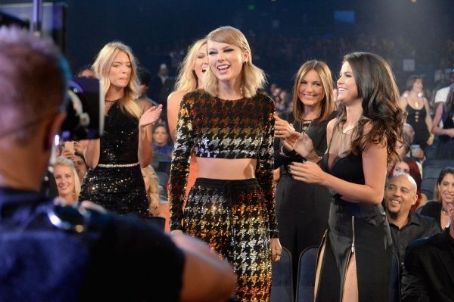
point(428, 121)
point(146, 123)
point(179, 168)
point(91, 153)
point(436, 122)
point(436, 129)
point(215, 279)
point(305, 147)
point(173, 107)
point(145, 151)
point(264, 168)
point(329, 131)
point(264, 175)
point(403, 101)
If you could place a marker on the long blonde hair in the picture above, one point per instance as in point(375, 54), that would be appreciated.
point(253, 78)
point(326, 78)
point(102, 66)
point(66, 162)
point(187, 79)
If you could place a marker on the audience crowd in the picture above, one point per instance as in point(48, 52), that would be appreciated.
point(412, 194)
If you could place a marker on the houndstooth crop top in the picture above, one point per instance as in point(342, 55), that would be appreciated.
point(211, 127)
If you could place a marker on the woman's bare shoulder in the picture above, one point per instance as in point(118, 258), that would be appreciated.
point(175, 97)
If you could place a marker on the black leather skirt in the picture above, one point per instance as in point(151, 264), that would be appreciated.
point(360, 230)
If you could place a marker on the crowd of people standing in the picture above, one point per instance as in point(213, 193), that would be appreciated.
point(246, 171)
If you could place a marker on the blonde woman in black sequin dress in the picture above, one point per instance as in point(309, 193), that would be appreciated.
point(114, 179)
point(229, 127)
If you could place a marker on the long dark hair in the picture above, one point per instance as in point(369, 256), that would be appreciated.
point(443, 173)
point(380, 102)
point(412, 79)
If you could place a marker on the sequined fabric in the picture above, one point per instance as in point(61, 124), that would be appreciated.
point(215, 128)
point(119, 189)
point(231, 216)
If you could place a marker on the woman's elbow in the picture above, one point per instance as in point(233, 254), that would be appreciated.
point(211, 280)
point(91, 164)
point(377, 197)
point(225, 287)
point(144, 161)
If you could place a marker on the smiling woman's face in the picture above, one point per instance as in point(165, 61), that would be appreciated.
point(225, 60)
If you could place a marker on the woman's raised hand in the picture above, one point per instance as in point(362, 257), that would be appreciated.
point(150, 116)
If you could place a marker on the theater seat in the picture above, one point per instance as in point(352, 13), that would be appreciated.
point(306, 275)
point(282, 283)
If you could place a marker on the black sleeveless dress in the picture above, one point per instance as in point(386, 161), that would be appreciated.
point(361, 229)
point(445, 146)
point(302, 208)
point(117, 183)
point(417, 119)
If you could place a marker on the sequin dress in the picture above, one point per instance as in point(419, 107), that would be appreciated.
point(117, 183)
point(235, 217)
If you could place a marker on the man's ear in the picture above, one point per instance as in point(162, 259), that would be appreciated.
point(415, 199)
point(52, 128)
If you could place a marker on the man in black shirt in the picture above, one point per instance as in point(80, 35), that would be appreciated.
point(406, 226)
point(430, 267)
point(54, 253)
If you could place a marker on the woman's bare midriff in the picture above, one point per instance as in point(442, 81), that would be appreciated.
point(229, 169)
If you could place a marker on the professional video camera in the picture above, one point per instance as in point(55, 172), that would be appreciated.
point(85, 107)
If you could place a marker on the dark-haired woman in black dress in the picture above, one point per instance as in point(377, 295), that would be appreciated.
point(355, 261)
